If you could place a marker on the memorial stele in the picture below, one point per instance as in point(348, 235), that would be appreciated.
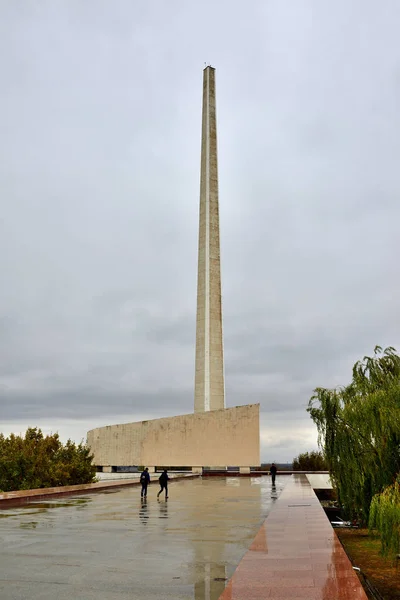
point(213, 436)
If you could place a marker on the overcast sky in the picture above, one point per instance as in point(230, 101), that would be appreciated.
point(100, 126)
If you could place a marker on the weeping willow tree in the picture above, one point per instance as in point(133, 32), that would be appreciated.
point(359, 431)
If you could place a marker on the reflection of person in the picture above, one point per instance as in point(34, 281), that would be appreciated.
point(272, 471)
point(144, 480)
point(144, 517)
point(163, 506)
point(163, 479)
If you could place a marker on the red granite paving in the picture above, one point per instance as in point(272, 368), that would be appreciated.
point(295, 555)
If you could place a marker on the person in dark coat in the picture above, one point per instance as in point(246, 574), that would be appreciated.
point(272, 471)
point(144, 480)
point(163, 479)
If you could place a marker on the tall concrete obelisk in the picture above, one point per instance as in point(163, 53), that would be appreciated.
point(209, 377)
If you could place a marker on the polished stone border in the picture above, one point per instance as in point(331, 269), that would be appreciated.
point(8, 499)
point(295, 555)
point(225, 473)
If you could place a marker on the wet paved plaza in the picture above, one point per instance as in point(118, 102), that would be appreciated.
point(111, 545)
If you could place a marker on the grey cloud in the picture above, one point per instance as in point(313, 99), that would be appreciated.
point(99, 174)
point(94, 403)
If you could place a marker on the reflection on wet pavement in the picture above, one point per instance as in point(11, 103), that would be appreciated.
point(121, 546)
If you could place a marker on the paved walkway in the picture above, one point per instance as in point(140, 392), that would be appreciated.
point(24, 496)
point(296, 555)
point(112, 546)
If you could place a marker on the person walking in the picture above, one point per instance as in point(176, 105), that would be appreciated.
point(144, 480)
point(272, 471)
point(163, 479)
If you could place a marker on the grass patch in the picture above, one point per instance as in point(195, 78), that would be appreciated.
point(363, 548)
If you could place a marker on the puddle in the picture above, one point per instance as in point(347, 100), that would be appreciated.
point(48, 504)
point(31, 525)
point(6, 514)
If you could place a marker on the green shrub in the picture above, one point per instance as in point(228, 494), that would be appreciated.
point(384, 516)
point(38, 461)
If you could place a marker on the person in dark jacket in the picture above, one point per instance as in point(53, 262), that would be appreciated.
point(144, 480)
point(163, 479)
point(272, 471)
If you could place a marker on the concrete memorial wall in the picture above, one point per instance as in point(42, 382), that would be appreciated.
point(227, 437)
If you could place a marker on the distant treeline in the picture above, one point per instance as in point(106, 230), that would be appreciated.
point(308, 461)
